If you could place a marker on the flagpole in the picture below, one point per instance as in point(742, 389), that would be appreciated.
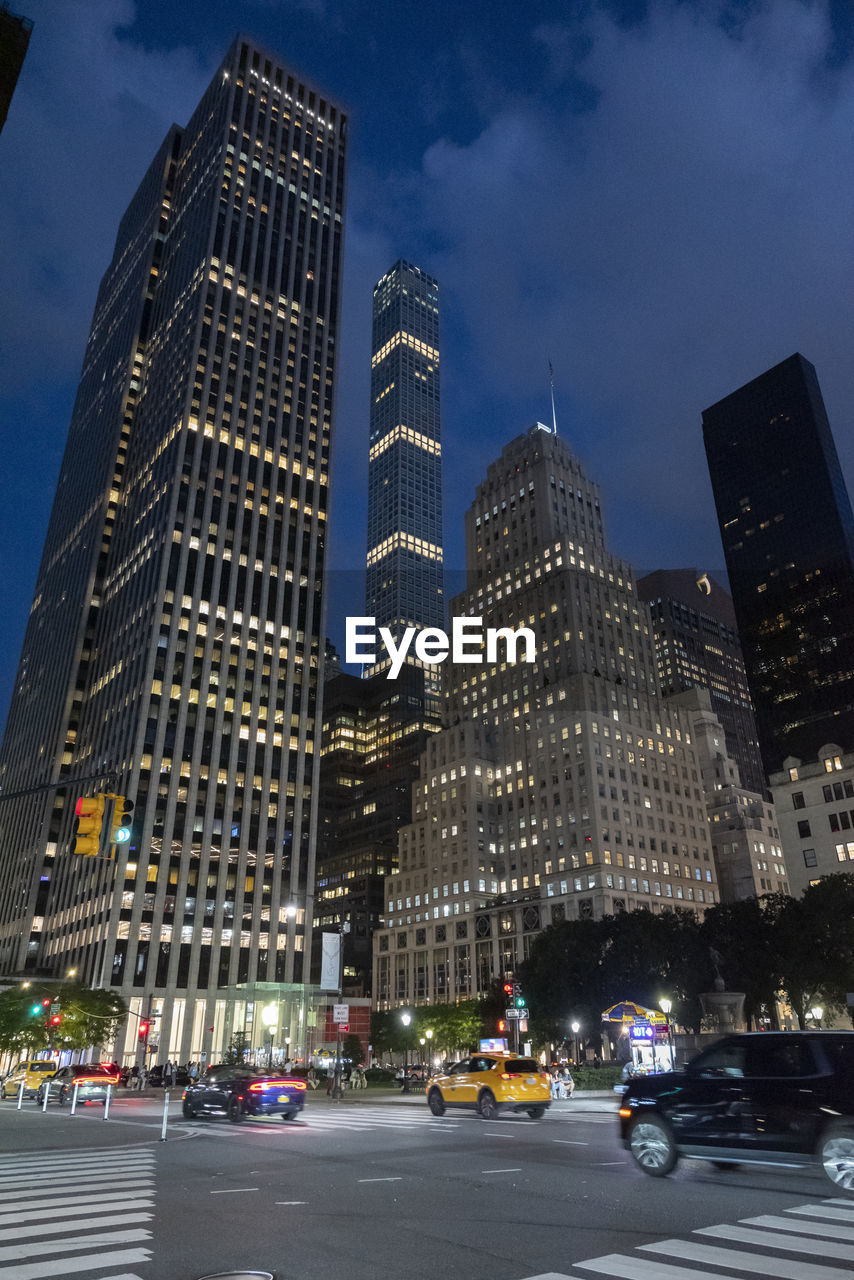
point(552, 388)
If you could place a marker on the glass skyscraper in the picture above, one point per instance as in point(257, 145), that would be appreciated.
point(788, 537)
point(404, 562)
point(174, 641)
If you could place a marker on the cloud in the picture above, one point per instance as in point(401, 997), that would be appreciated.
point(662, 238)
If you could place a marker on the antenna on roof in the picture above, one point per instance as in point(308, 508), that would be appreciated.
point(552, 389)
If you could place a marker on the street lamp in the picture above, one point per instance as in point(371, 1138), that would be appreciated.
point(429, 1034)
point(816, 1012)
point(666, 1005)
point(406, 1019)
point(270, 1016)
point(575, 1027)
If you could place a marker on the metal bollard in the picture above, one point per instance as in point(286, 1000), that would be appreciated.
point(20, 1095)
point(107, 1102)
point(46, 1094)
point(165, 1116)
point(74, 1098)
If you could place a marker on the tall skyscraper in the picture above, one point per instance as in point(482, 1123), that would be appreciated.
point(788, 537)
point(404, 562)
point(697, 646)
point(562, 788)
point(15, 34)
point(374, 730)
point(175, 637)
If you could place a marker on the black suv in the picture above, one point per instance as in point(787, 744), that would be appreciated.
point(783, 1098)
point(236, 1091)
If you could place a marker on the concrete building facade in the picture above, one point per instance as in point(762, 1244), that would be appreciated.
point(815, 804)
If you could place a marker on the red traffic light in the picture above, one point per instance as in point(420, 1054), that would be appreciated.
point(56, 1019)
point(502, 1025)
point(508, 989)
point(142, 1033)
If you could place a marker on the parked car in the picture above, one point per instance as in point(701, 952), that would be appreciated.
point(91, 1079)
point(490, 1083)
point(31, 1072)
point(237, 1091)
point(180, 1076)
point(760, 1098)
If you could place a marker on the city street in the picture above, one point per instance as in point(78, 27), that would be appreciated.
point(377, 1187)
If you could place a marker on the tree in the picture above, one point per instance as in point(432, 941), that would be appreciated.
point(742, 933)
point(351, 1048)
point(236, 1051)
point(814, 944)
point(77, 1018)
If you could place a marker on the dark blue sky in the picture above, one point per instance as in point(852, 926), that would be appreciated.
point(657, 197)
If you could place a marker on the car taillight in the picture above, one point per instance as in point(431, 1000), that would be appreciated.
point(625, 1112)
point(96, 1080)
point(296, 1084)
point(505, 1076)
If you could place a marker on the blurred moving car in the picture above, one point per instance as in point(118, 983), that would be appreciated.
point(180, 1075)
point(31, 1072)
point(490, 1083)
point(235, 1091)
point(91, 1078)
point(773, 1097)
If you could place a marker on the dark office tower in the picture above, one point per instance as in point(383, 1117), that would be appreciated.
point(788, 537)
point(404, 579)
point(174, 642)
point(697, 646)
point(14, 41)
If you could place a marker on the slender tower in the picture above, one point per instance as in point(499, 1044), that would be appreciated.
point(174, 640)
point(405, 580)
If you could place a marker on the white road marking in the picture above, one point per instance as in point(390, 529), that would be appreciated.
point(771, 1240)
point(379, 1179)
point(519, 1170)
point(738, 1260)
point(570, 1142)
point(230, 1191)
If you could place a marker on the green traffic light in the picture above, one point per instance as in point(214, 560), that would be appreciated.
point(519, 1002)
point(36, 1009)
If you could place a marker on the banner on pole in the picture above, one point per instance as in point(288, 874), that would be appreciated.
point(329, 968)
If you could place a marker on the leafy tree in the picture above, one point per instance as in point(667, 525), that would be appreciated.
point(235, 1054)
point(743, 935)
point(351, 1047)
point(88, 1019)
point(814, 944)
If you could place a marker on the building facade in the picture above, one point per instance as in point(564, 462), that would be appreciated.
point(788, 537)
point(15, 34)
point(697, 646)
point(176, 633)
point(404, 585)
point(815, 803)
point(746, 842)
point(562, 787)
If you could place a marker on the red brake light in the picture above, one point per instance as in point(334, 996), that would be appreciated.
point(505, 1076)
point(276, 1084)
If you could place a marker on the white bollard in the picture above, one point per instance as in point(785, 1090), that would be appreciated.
point(20, 1095)
point(107, 1102)
point(46, 1094)
point(74, 1098)
point(165, 1116)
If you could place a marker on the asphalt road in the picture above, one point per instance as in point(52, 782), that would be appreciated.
point(377, 1187)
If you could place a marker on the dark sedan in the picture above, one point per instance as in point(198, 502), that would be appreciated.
point(238, 1091)
point(781, 1098)
point(91, 1079)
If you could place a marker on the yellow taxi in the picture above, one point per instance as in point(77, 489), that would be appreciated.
point(32, 1072)
point(489, 1083)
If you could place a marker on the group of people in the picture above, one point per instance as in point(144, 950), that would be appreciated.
point(351, 1077)
point(563, 1085)
point(167, 1074)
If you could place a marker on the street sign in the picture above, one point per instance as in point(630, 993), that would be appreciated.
point(517, 1013)
point(340, 1014)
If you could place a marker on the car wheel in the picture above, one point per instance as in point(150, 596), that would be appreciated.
point(436, 1102)
point(234, 1110)
point(288, 1115)
point(189, 1112)
point(652, 1146)
point(63, 1096)
point(487, 1106)
point(836, 1153)
point(725, 1165)
point(536, 1113)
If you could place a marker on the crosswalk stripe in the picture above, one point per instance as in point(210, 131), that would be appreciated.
point(123, 1184)
point(30, 1248)
point(12, 1173)
point(83, 1224)
point(824, 1211)
point(48, 1208)
point(822, 1229)
point(772, 1240)
point(625, 1267)
point(738, 1260)
point(65, 1266)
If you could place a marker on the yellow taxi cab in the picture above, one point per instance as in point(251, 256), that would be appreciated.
point(32, 1072)
point(489, 1083)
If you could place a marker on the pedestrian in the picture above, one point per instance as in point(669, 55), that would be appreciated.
point(134, 1076)
point(568, 1083)
point(311, 1077)
point(143, 1077)
point(167, 1074)
point(193, 1070)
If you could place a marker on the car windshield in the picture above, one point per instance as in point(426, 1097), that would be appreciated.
point(42, 1066)
point(92, 1069)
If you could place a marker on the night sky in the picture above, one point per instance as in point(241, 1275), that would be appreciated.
point(655, 197)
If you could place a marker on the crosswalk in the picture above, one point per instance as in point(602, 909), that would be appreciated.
point(809, 1241)
point(67, 1213)
point(360, 1119)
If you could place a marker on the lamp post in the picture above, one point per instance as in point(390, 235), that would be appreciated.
point(269, 1017)
point(429, 1034)
point(575, 1027)
point(666, 1005)
point(422, 1040)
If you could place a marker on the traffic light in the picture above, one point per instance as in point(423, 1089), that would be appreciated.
point(142, 1030)
point(55, 1019)
point(36, 1009)
point(122, 819)
point(518, 998)
point(87, 827)
point(502, 1026)
point(508, 990)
